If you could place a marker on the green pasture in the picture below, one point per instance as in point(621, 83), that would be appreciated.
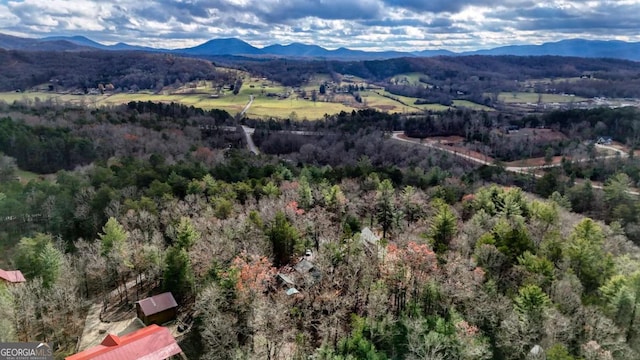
point(374, 100)
point(204, 96)
point(471, 105)
point(407, 104)
point(528, 97)
point(408, 79)
point(272, 107)
point(26, 176)
point(557, 80)
point(352, 80)
point(262, 87)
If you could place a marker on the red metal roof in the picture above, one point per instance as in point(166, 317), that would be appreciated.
point(150, 343)
point(12, 276)
point(159, 303)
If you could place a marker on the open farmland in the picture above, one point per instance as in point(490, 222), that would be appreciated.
point(269, 100)
point(471, 105)
point(376, 100)
point(262, 106)
point(412, 79)
point(270, 107)
point(529, 97)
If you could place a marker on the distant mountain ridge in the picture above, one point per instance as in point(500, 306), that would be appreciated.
point(233, 46)
point(86, 42)
point(571, 47)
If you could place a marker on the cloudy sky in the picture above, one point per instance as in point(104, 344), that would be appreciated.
point(358, 24)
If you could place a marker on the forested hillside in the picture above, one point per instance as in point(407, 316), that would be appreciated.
point(395, 251)
point(475, 76)
point(125, 70)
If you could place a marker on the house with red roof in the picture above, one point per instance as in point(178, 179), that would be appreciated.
point(13, 277)
point(157, 309)
point(150, 343)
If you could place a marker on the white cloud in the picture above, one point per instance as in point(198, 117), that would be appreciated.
point(367, 24)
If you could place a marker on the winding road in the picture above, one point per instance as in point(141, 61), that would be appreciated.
point(530, 170)
point(249, 131)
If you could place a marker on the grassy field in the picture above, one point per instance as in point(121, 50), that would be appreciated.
point(272, 107)
point(408, 79)
point(527, 97)
point(26, 176)
point(557, 80)
point(205, 95)
point(258, 87)
point(471, 105)
point(407, 104)
point(377, 101)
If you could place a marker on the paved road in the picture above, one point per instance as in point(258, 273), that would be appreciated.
point(249, 131)
point(396, 136)
point(516, 169)
point(246, 107)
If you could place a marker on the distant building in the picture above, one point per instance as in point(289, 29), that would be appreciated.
point(304, 267)
point(12, 277)
point(150, 343)
point(307, 272)
point(292, 291)
point(157, 309)
point(285, 280)
point(512, 129)
point(604, 140)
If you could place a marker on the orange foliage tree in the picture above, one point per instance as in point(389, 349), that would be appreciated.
point(254, 274)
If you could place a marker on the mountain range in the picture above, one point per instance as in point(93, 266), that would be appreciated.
point(237, 47)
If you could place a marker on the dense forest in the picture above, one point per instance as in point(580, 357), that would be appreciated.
point(473, 78)
point(125, 70)
point(414, 253)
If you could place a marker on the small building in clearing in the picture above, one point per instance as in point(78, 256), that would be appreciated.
point(157, 309)
point(12, 277)
point(604, 140)
point(152, 342)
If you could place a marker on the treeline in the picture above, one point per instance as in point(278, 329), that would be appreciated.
point(46, 139)
point(288, 72)
point(621, 124)
point(464, 77)
point(43, 149)
point(489, 68)
point(131, 70)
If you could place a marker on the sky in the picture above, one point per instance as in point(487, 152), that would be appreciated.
point(404, 25)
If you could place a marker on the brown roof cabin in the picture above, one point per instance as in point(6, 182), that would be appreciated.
point(12, 277)
point(157, 309)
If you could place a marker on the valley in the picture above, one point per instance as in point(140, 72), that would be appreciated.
point(454, 207)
